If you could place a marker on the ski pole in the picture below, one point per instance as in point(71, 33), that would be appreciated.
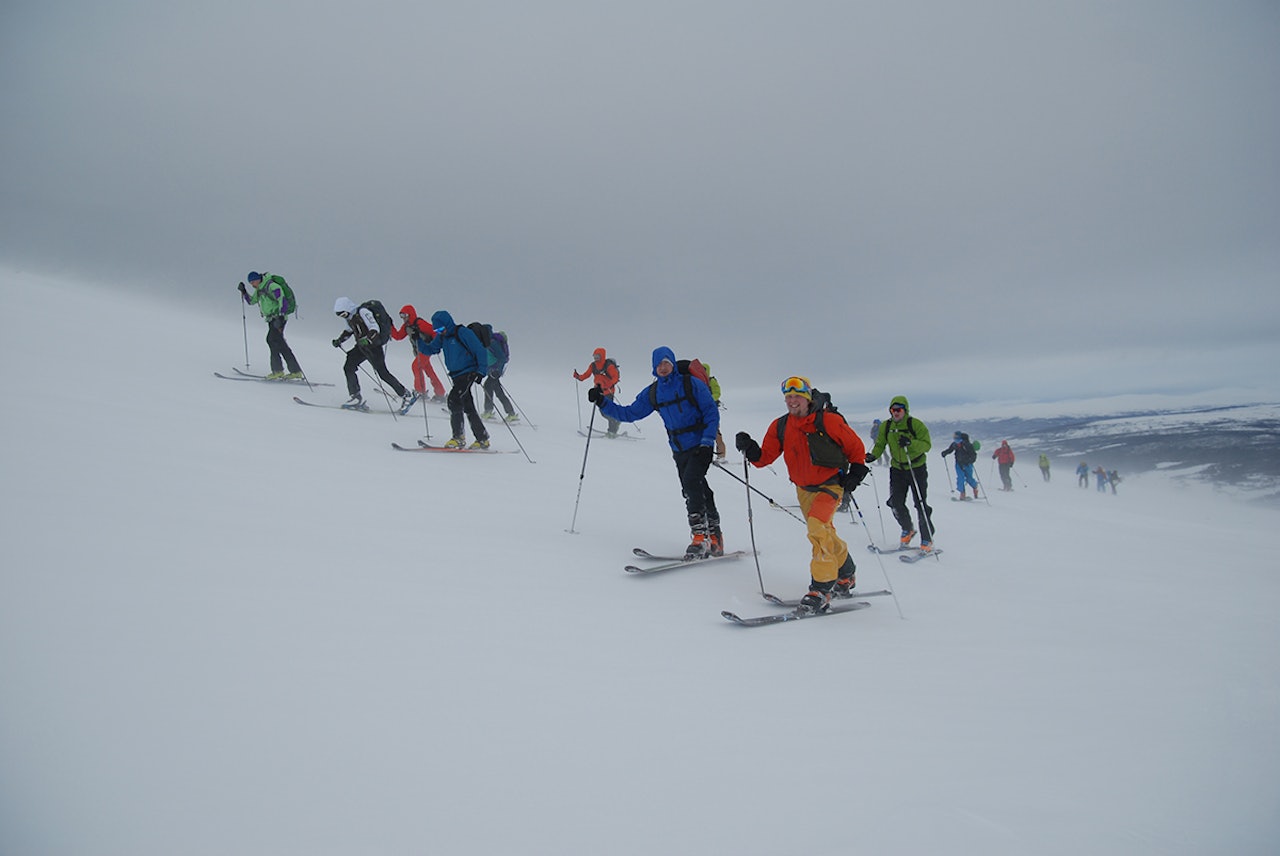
point(755, 490)
point(1012, 469)
point(751, 527)
point(985, 497)
point(376, 381)
point(521, 445)
point(244, 325)
point(926, 525)
point(879, 508)
point(582, 475)
point(517, 406)
point(578, 401)
point(879, 558)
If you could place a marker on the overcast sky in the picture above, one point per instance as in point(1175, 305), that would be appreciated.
point(907, 194)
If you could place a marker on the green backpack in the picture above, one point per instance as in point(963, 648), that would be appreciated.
point(288, 303)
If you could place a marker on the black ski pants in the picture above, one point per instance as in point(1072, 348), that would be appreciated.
point(461, 403)
point(492, 387)
point(900, 481)
point(374, 355)
point(692, 466)
point(278, 347)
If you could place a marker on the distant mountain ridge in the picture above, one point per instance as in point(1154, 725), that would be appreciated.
point(1236, 447)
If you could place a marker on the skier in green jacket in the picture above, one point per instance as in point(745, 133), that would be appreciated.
point(272, 296)
point(907, 440)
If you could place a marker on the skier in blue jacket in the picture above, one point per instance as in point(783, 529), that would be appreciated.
point(692, 419)
point(467, 361)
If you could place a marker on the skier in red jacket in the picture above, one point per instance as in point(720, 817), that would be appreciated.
point(1004, 457)
point(419, 329)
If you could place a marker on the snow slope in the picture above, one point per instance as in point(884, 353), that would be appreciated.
point(230, 624)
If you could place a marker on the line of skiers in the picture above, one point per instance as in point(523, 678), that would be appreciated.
point(825, 457)
point(469, 359)
point(1102, 476)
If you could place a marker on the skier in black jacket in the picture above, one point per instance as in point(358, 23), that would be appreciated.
point(966, 456)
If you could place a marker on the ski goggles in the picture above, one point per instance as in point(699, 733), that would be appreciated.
point(896, 408)
point(797, 386)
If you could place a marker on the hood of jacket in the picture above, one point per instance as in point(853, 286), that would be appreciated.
point(598, 355)
point(901, 399)
point(345, 304)
point(443, 321)
point(410, 312)
point(661, 353)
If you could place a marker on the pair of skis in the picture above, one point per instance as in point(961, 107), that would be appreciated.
point(910, 555)
point(621, 435)
point(424, 446)
point(669, 563)
point(363, 407)
point(245, 376)
point(796, 614)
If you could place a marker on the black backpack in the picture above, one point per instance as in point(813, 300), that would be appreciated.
point(383, 318)
point(484, 332)
point(823, 451)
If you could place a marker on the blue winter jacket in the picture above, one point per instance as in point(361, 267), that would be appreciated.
point(690, 422)
point(462, 349)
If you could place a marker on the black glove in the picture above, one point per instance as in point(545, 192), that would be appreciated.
point(904, 441)
point(854, 477)
point(337, 343)
point(871, 459)
point(595, 396)
point(242, 291)
point(703, 455)
point(749, 448)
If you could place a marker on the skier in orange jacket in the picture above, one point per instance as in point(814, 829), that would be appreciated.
point(605, 373)
point(822, 469)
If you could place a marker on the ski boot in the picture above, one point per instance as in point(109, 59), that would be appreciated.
point(716, 536)
point(847, 579)
point(700, 540)
point(814, 602)
point(407, 401)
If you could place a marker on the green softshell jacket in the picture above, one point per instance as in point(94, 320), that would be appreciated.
point(269, 295)
point(890, 431)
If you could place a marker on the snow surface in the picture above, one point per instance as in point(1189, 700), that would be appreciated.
point(230, 624)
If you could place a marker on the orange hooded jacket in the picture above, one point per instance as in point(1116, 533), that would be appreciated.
point(606, 375)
